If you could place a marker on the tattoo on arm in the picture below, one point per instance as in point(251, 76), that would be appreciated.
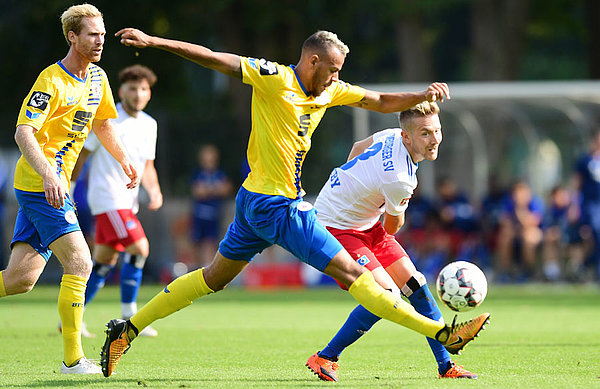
point(363, 103)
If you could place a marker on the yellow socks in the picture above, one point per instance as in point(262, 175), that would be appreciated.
point(178, 294)
point(384, 304)
point(71, 298)
point(2, 288)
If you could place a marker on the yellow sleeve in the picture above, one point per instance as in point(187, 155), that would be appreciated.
point(264, 76)
point(343, 93)
point(40, 103)
point(106, 108)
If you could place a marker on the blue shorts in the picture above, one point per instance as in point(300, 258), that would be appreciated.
point(264, 220)
point(39, 224)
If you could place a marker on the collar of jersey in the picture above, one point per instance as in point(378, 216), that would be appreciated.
point(416, 164)
point(71, 74)
point(299, 82)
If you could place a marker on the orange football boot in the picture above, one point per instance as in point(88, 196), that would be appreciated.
point(324, 368)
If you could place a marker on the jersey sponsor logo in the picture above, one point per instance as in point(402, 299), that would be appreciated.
point(252, 62)
point(80, 120)
point(386, 154)
point(334, 179)
point(404, 201)
point(290, 96)
point(362, 261)
point(39, 100)
point(71, 100)
point(70, 217)
point(32, 115)
point(304, 124)
point(267, 68)
point(77, 305)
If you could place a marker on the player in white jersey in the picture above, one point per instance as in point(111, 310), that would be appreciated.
point(114, 208)
point(380, 178)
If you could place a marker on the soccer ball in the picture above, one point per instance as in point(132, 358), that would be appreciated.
point(461, 286)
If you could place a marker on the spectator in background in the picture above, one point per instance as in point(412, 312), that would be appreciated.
point(210, 186)
point(588, 185)
point(492, 207)
point(459, 220)
point(520, 233)
point(564, 238)
point(423, 236)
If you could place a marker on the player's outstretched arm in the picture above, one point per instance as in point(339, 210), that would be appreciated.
point(396, 102)
point(111, 142)
point(225, 63)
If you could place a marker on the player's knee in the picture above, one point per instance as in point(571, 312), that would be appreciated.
point(80, 265)
point(414, 283)
point(102, 269)
point(22, 284)
point(136, 260)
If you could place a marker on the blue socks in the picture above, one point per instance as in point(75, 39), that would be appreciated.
point(358, 323)
point(96, 282)
point(131, 279)
point(425, 304)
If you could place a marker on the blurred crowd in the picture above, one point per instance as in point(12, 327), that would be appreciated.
point(513, 234)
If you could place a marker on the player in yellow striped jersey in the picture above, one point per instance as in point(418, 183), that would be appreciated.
point(68, 99)
point(287, 104)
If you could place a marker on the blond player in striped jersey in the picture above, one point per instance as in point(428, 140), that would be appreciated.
point(68, 100)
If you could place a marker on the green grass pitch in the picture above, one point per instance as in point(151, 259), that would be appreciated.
point(541, 336)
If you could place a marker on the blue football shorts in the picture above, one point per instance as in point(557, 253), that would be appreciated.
point(264, 220)
point(39, 224)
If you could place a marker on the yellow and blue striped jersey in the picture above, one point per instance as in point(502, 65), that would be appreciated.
point(284, 118)
point(61, 107)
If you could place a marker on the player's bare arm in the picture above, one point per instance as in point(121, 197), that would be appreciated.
point(396, 102)
point(106, 135)
point(83, 156)
point(359, 146)
point(392, 223)
point(151, 185)
point(54, 187)
point(225, 63)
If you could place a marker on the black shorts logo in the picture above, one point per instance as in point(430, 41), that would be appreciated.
point(267, 68)
point(39, 100)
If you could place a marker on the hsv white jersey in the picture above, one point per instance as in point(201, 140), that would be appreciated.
point(382, 178)
point(107, 188)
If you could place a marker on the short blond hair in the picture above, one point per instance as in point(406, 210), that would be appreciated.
point(71, 18)
point(321, 40)
point(420, 110)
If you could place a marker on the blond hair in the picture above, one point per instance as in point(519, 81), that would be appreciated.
point(420, 110)
point(71, 18)
point(323, 40)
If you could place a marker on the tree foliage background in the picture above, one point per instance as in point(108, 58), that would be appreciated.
point(389, 40)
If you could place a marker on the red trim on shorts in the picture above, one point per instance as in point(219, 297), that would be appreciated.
point(374, 246)
point(118, 229)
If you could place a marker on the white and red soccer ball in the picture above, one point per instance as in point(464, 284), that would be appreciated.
point(461, 285)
